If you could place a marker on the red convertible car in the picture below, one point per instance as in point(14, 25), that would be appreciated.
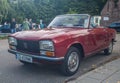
point(66, 40)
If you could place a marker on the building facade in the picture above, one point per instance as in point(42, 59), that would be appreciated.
point(110, 12)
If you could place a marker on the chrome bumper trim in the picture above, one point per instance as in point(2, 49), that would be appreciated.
point(36, 56)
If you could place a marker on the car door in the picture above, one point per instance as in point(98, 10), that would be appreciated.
point(90, 42)
point(100, 37)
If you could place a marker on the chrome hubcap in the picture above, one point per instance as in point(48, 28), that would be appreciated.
point(73, 61)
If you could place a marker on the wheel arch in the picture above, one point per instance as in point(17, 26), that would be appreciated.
point(64, 67)
point(79, 47)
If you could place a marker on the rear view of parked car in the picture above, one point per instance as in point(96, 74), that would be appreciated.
point(115, 25)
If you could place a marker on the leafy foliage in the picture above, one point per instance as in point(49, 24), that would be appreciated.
point(4, 8)
point(47, 9)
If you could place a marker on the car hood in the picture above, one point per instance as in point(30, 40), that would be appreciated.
point(54, 33)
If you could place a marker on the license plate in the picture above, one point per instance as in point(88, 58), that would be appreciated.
point(24, 58)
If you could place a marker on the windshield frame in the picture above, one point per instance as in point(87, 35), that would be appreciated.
point(70, 15)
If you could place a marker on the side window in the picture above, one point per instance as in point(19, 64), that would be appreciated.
point(118, 24)
point(86, 22)
point(92, 24)
point(113, 25)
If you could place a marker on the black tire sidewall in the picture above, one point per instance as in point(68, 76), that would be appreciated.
point(64, 66)
point(106, 51)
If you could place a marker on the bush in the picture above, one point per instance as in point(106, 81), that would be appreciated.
point(3, 37)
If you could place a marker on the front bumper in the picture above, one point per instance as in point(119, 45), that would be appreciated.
point(45, 58)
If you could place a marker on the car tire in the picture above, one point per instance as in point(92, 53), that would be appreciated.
point(109, 50)
point(71, 62)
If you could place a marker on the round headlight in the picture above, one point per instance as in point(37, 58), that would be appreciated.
point(12, 41)
point(46, 45)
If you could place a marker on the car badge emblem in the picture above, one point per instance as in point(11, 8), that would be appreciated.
point(25, 45)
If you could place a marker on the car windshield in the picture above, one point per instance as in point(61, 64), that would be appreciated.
point(76, 20)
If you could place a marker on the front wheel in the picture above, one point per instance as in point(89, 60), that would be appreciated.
point(109, 50)
point(71, 62)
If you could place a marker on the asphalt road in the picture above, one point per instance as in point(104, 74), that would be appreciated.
point(12, 71)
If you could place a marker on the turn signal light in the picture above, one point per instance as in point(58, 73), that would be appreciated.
point(49, 53)
point(12, 47)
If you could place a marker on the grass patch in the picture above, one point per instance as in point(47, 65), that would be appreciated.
point(118, 32)
point(3, 37)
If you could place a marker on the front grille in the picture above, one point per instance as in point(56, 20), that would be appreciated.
point(28, 46)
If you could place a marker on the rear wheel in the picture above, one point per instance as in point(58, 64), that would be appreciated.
point(109, 50)
point(71, 62)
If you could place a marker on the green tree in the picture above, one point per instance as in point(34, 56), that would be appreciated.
point(4, 8)
point(48, 9)
point(23, 9)
point(100, 4)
